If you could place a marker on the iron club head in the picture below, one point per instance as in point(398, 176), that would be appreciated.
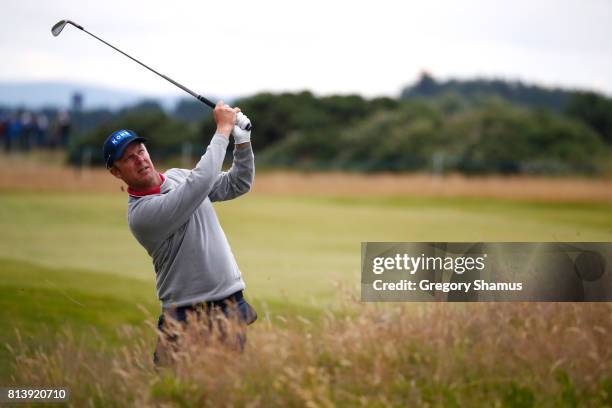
point(59, 26)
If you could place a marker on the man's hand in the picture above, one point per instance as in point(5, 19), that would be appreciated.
point(225, 117)
point(241, 135)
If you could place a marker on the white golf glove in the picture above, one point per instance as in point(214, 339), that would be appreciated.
point(241, 135)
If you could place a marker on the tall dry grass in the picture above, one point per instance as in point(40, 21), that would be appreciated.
point(515, 355)
point(41, 172)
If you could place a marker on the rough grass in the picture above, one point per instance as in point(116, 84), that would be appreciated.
point(510, 355)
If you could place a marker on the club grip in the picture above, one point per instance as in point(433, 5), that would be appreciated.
point(206, 101)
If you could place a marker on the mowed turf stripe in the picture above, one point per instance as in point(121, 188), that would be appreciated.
point(288, 247)
point(34, 295)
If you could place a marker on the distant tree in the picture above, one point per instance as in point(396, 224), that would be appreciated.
point(511, 140)
point(384, 103)
point(190, 110)
point(403, 139)
point(472, 90)
point(594, 110)
point(144, 106)
point(276, 117)
point(425, 86)
point(90, 119)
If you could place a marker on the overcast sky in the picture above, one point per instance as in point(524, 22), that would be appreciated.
point(371, 48)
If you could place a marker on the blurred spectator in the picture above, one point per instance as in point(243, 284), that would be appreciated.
point(63, 122)
point(42, 125)
point(26, 135)
point(13, 131)
point(3, 128)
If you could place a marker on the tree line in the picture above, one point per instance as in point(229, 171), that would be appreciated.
point(468, 126)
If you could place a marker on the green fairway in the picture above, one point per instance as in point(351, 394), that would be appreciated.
point(70, 258)
point(287, 247)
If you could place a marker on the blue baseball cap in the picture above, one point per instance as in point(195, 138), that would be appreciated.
point(115, 145)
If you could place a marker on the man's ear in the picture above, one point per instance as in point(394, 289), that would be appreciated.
point(115, 172)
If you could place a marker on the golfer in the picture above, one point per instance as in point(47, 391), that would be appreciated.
point(171, 215)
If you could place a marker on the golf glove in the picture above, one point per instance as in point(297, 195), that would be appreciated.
point(241, 135)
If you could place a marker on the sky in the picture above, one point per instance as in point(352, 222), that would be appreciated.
point(328, 47)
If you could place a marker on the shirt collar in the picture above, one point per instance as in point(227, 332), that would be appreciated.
point(150, 191)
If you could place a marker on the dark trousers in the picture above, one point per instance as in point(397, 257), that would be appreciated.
point(232, 307)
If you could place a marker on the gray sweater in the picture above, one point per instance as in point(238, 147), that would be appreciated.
point(181, 232)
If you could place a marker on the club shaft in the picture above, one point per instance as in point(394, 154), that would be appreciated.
point(184, 88)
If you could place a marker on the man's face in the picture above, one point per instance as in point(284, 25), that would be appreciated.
point(135, 167)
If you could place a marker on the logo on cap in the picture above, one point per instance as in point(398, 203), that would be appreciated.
point(122, 134)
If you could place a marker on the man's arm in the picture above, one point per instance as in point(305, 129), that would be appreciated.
point(239, 178)
point(159, 217)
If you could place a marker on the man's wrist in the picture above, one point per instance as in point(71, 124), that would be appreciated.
point(224, 130)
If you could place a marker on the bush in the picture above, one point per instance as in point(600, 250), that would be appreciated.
point(512, 140)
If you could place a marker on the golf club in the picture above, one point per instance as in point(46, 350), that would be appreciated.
point(59, 26)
